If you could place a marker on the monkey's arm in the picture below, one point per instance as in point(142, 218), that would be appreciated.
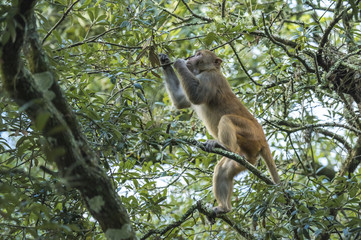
point(198, 92)
point(172, 84)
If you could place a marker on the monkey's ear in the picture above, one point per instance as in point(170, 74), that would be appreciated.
point(218, 62)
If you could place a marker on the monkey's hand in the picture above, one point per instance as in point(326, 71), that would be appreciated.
point(180, 63)
point(211, 144)
point(164, 59)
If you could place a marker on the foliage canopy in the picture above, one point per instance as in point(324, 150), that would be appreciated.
point(295, 64)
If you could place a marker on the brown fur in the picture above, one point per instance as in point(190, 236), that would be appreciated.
point(203, 87)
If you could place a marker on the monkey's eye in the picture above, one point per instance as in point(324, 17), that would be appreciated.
point(198, 53)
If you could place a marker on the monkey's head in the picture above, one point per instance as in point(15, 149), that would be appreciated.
point(204, 60)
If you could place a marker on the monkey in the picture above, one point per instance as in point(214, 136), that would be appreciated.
point(203, 87)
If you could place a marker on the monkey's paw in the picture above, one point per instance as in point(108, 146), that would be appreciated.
point(164, 59)
point(180, 63)
point(211, 144)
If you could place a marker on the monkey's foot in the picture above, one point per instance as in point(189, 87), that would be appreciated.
point(216, 212)
point(163, 58)
point(211, 144)
point(220, 210)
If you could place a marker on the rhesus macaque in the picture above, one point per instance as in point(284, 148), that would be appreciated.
point(203, 87)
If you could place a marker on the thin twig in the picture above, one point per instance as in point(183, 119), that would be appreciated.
point(209, 213)
point(186, 25)
point(316, 68)
point(223, 8)
point(60, 21)
point(228, 42)
point(269, 35)
point(319, 125)
point(167, 11)
point(314, 127)
point(196, 15)
point(93, 40)
point(243, 67)
point(170, 226)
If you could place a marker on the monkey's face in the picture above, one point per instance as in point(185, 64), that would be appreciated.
point(203, 60)
point(194, 62)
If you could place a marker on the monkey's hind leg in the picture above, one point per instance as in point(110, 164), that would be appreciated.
point(223, 186)
point(226, 169)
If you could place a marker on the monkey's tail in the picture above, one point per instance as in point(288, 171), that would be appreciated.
point(267, 156)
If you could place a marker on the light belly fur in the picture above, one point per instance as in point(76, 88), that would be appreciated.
point(202, 112)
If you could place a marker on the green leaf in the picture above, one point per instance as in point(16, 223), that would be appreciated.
point(91, 14)
point(41, 120)
point(125, 24)
point(208, 40)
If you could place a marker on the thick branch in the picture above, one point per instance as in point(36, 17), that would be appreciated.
point(339, 62)
point(38, 64)
point(353, 161)
point(279, 39)
point(68, 147)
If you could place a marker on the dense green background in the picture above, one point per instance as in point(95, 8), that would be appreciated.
point(105, 55)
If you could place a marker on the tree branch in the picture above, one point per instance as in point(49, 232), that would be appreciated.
point(333, 135)
point(68, 147)
point(209, 213)
point(317, 128)
point(94, 40)
point(223, 8)
point(324, 39)
point(196, 15)
point(60, 21)
point(336, 65)
point(169, 12)
point(243, 67)
point(254, 33)
point(241, 160)
point(353, 161)
point(173, 225)
point(319, 125)
point(269, 35)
